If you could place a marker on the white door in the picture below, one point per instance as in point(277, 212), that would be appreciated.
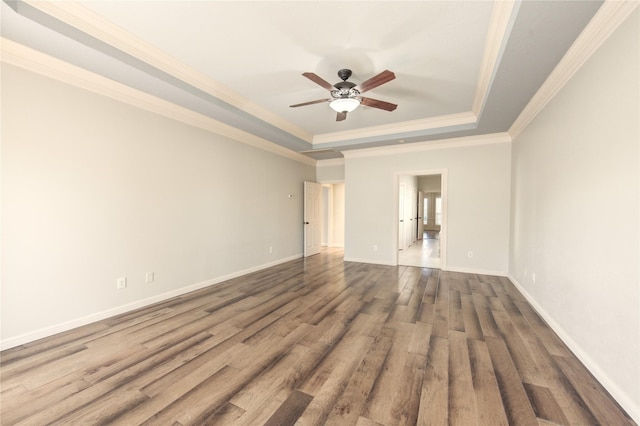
point(312, 218)
point(420, 214)
point(401, 217)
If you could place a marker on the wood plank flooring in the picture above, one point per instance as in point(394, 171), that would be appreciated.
point(309, 342)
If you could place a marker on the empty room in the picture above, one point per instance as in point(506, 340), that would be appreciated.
point(319, 212)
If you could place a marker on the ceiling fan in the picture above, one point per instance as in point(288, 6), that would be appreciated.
point(345, 96)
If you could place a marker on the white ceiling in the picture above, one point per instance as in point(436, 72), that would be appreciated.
point(462, 67)
point(260, 50)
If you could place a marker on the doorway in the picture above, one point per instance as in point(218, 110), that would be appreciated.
point(427, 198)
point(333, 214)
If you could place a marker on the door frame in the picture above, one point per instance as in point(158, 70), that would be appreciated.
point(327, 215)
point(330, 210)
point(444, 228)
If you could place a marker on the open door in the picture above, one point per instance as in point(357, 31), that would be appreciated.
point(312, 218)
point(420, 217)
point(401, 236)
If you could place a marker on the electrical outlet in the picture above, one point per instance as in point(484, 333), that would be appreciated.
point(469, 254)
point(375, 247)
point(121, 283)
point(533, 278)
point(270, 249)
point(148, 277)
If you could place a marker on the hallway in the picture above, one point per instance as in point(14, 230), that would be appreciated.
point(423, 253)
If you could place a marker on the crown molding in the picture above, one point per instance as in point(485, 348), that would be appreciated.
point(83, 19)
point(502, 16)
point(451, 120)
point(488, 139)
point(611, 14)
point(331, 162)
point(32, 60)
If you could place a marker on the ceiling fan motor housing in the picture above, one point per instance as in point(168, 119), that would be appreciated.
point(345, 89)
point(344, 74)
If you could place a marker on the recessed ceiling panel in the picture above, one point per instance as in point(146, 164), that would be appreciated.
point(462, 68)
point(260, 50)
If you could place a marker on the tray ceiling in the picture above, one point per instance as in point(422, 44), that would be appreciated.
point(462, 67)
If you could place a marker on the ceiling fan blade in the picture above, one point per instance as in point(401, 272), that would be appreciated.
point(375, 81)
point(309, 103)
point(375, 103)
point(318, 80)
point(341, 116)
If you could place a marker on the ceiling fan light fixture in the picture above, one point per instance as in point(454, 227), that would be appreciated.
point(344, 104)
point(345, 95)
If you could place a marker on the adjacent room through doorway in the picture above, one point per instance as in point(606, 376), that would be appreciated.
point(420, 207)
point(332, 214)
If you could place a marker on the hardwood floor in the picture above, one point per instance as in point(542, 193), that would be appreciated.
point(313, 341)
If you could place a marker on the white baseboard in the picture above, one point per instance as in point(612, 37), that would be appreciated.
point(362, 260)
point(476, 271)
point(452, 269)
point(79, 322)
point(630, 406)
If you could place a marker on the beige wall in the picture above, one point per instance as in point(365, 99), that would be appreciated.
point(330, 171)
point(477, 213)
point(575, 213)
point(93, 190)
